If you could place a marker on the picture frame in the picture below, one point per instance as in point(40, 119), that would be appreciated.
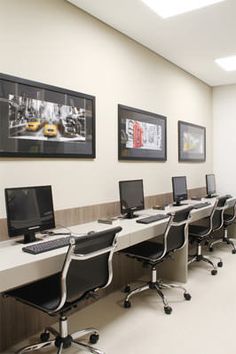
point(141, 135)
point(191, 142)
point(41, 120)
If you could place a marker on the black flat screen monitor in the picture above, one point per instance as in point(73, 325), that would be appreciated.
point(210, 185)
point(29, 210)
point(131, 197)
point(179, 187)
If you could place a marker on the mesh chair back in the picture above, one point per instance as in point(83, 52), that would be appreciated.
point(229, 214)
point(177, 233)
point(89, 268)
point(217, 220)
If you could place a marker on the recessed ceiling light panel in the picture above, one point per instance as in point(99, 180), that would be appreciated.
point(169, 8)
point(227, 63)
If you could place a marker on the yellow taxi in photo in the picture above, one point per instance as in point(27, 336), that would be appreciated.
point(33, 125)
point(50, 130)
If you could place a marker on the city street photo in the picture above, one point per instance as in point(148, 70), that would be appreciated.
point(46, 121)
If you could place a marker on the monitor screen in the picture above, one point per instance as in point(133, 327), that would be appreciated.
point(179, 186)
point(131, 197)
point(29, 210)
point(210, 185)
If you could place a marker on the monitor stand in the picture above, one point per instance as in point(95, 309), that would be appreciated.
point(130, 214)
point(211, 196)
point(29, 237)
point(178, 203)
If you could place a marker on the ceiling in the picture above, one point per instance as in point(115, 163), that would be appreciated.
point(191, 40)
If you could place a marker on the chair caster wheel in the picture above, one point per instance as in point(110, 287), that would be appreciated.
point(168, 310)
point(93, 338)
point(234, 251)
point(44, 337)
point(214, 272)
point(127, 289)
point(127, 304)
point(220, 264)
point(211, 249)
point(187, 296)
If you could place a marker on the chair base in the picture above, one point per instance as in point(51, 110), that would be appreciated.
point(156, 286)
point(224, 240)
point(62, 340)
point(199, 257)
point(204, 259)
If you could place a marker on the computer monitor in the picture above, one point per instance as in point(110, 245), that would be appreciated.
point(29, 210)
point(210, 185)
point(131, 197)
point(179, 187)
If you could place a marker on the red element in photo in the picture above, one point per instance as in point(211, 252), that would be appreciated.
point(138, 135)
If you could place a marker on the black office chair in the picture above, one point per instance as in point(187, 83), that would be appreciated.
point(229, 217)
point(201, 233)
point(87, 268)
point(152, 253)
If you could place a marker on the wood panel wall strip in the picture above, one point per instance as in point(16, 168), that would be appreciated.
point(75, 216)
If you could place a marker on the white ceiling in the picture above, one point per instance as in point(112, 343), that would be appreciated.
point(191, 40)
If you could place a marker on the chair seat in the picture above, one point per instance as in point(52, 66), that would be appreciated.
point(227, 216)
point(43, 294)
point(228, 219)
point(198, 230)
point(147, 250)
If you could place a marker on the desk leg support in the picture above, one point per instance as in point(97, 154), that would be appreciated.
point(176, 268)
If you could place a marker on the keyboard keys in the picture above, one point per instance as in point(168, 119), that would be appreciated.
point(152, 218)
point(46, 246)
point(200, 205)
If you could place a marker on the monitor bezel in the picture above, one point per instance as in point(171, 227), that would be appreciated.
point(28, 233)
point(181, 197)
point(129, 212)
point(207, 184)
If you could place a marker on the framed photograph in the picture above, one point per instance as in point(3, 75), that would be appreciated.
point(39, 120)
point(192, 142)
point(141, 135)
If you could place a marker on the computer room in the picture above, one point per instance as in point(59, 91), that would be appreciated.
point(117, 182)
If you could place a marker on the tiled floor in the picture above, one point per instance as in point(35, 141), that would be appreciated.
point(204, 325)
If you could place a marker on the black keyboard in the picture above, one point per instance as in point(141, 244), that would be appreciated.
point(152, 218)
point(41, 247)
point(201, 205)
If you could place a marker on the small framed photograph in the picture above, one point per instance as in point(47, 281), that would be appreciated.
point(141, 135)
point(192, 142)
point(39, 120)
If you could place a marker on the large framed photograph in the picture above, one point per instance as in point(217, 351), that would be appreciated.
point(39, 120)
point(141, 135)
point(192, 142)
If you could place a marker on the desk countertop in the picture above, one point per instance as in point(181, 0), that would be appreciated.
point(18, 268)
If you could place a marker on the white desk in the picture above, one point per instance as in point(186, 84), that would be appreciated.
point(18, 268)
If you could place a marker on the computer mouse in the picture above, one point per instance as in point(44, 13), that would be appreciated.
point(194, 197)
point(91, 232)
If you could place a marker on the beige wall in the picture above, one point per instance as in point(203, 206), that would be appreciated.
point(224, 128)
point(53, 42)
